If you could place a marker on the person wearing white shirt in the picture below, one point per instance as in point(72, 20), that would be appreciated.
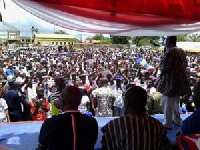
point(29, 92)
point(4, 115)
point(119, 103)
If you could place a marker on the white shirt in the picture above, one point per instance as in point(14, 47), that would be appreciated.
point(29, 94)
point(19, 79)
point(34, 87)
point(83, 106)
point(152, 90)
point(119, 99)
point(3, 107)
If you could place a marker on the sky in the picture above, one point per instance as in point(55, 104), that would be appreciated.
point(23, 21)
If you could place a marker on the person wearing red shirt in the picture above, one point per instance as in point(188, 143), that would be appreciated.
point(39, 106)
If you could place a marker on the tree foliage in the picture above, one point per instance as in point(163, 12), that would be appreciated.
point(107, 41)
point(195, 37)
point(145, 40)
point(120, 39)
point(34, 30)
point(98, 37)
point(60, 32)
point(182, 38)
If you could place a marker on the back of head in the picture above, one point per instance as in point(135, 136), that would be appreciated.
point(136, 99)
point(60, 82)
point(11, 83)
point(104, 81)
point(70, 97)
point(59, 78)
point(171, 41)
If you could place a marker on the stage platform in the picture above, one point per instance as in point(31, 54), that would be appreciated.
point(24, 135)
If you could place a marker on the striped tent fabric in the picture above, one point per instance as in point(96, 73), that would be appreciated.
point(189, 142)
point(119, 17)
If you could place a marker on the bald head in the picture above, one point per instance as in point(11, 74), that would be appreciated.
point(70, 97)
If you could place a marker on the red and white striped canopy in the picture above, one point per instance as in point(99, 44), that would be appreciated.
point(119, 17)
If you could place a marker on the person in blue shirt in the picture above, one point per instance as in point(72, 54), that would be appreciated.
point(9, 71)
point(191, 125)
point(14, 101)
point(139, 60)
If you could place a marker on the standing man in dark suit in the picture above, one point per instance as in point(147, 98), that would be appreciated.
point(173, 82)
point(70, 130)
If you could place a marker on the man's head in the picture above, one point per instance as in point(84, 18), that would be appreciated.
point(60, 82)
point(11, 83)
point(171, 41)
point(104, 81)
point(135, 100)
point(70, 97)
point(149, 83)
point(40, 92)
point(10, 67)
point(99, 84)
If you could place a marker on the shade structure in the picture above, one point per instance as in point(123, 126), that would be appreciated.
point(119, 17)
point(189, 46)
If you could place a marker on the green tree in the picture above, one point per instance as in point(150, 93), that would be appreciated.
point(98, 37)
point(195, 37)
point(34, 30)
point(89, 38)
point(107, 41)
point(136, 40)
point(182, 38)
point(145, 40)
point(120, 39)
point(60, 32)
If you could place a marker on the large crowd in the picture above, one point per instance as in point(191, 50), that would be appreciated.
point(33, 81)
point(39, 76)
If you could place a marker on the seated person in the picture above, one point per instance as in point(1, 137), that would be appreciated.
point(136, 130)
point(71, 129)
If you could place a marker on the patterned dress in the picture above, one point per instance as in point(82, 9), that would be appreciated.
point(173, 80)
point(104, 97)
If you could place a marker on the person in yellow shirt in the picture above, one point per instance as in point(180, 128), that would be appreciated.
point(54, 97)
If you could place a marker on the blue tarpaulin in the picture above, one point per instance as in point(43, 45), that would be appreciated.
point(24, 136)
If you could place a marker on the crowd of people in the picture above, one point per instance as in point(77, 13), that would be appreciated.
point(100, 82)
